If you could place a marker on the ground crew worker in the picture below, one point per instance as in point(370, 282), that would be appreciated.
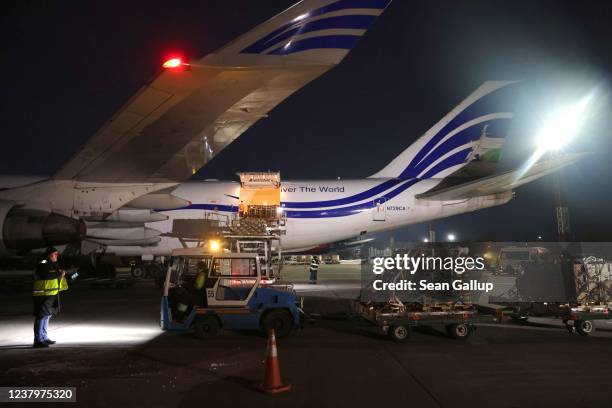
point(202, 274)
point(314, 267)
point(200, 283)
point(242, 209)
point(192, 292)
point(49, 281)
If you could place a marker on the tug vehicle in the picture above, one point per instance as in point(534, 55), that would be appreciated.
point(206, 291)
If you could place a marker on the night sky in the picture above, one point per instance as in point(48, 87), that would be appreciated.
point(68, 66)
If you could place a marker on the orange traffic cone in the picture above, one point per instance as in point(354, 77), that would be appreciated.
point(272, 383)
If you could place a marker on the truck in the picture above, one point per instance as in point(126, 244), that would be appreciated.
point(206, 291)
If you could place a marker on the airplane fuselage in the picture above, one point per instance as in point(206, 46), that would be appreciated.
point(320, 211)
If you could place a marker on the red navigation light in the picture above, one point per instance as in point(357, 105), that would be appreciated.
point(172, 63)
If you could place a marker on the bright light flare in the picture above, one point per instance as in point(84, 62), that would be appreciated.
point(451, 237)
point(563, 125)
point(214, 245)
point(557, 131)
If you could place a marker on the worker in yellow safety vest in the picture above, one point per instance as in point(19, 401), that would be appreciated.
point(49, 281)
point(200, 283)
point(190, 295)
point(201, 278)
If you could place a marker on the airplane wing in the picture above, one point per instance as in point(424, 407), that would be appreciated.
point(191, 111)
point(501, 182)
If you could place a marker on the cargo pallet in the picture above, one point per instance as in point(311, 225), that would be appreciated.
point(397, 320)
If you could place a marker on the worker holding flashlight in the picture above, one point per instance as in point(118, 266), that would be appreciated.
point(49, 281)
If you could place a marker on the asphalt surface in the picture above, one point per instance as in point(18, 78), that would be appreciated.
point(111, 349)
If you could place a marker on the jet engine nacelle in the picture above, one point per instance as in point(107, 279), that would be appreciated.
point(22, 229)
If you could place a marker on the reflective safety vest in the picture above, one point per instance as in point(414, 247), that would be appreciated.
point(49, 287)
point(200, 280)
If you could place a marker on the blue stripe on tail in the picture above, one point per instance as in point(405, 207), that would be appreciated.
point(498, 101)
point(341, 22)
point(303, 25)
point(495, 127)
point(380, 188)
point(453, 160)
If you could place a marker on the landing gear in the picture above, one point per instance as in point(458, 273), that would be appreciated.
point(154, 270)
point(138, 271)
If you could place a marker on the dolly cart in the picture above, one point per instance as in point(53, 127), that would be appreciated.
point(397, 319)
point(580, 318)
point(232, 296)
point(577, 318)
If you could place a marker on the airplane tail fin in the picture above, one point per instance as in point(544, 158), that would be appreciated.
point(466, 143)
point(310, 32)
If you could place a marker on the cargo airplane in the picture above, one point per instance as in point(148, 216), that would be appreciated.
point(126, 192)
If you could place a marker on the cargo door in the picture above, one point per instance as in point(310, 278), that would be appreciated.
point(260, 195)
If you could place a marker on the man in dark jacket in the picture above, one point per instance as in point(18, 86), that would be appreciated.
point(49, 281)
point(314, 267)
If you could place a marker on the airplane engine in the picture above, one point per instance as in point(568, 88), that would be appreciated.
point(24, 228)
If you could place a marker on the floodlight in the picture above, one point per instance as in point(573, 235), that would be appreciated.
point(561, 126)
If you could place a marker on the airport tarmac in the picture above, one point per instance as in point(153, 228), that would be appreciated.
point(111, 348)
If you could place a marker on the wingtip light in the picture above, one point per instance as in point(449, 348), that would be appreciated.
point(173, 63)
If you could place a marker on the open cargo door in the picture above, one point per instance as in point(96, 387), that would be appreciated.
point(260, 195)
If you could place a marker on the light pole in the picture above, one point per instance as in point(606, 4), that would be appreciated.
point(559, 128)
point(561, 210)
point(431, 233)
